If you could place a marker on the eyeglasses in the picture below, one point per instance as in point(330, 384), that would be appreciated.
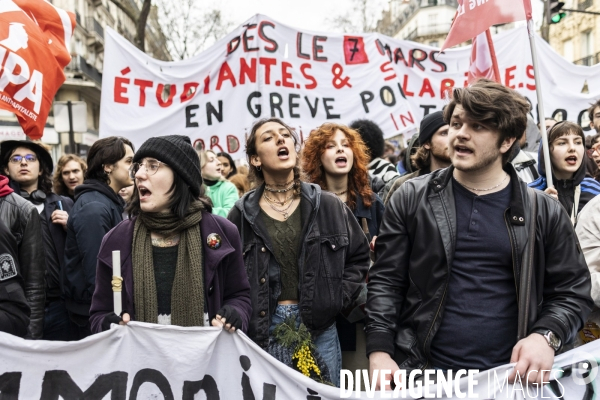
point(151, 168)
point(18, 159)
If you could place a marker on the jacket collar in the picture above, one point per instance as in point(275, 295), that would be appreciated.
point(516, 213)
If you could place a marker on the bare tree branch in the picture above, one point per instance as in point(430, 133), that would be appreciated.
point(190, 28)
point(140, 37)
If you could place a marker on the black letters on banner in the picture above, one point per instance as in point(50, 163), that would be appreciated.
point(189, 114)
point(426, 108)
point(246, 38)
point(210, 111)
point(580, 120)
point(208, 384)
point(276, 105)
point(328, 107)
point(383, 91)
point(366, 97)
point(10, 383)
point(59, 384)
point(313, 110)
point(293, 105)
point(152, 376)
point(261, 33)
point(255, 112)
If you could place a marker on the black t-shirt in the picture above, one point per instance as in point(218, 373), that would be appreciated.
point(480, 313)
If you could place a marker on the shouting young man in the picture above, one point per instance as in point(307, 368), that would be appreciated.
point(445, 291)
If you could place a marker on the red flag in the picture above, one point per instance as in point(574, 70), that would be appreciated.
point(34, 40)
point(475, 16)
point(483, 59)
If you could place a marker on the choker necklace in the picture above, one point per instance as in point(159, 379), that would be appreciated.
point(282, 203)
point(272, 190)
point(280, 184)
point(483, 190)
point(338, 194)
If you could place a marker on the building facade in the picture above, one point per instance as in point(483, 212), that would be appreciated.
point(423, 21)
point(84, 73)
point(577, 36)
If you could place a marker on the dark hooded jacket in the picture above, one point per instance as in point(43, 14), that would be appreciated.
point(333, 260)
point(590, 188)
point(96, 211)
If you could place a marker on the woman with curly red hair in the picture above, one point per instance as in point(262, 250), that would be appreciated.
point(336, 158)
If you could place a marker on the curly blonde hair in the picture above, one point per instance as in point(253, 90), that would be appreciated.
point(57, 181)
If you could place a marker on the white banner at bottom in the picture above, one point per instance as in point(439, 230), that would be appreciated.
point(145, 361)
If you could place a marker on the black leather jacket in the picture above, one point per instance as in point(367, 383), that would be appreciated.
point(23, 220)
point(415, 249)
point(334, 259)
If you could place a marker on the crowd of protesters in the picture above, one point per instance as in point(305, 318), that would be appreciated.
point(473, 261)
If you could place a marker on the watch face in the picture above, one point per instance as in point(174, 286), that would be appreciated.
point(554, 340)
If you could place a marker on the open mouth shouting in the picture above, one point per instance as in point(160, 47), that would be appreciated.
point(571, 160)
point(283, 153)
point(341, 161)
point(144, 192)
point(462, 150)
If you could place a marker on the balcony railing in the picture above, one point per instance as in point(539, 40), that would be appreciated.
point(79, 66)
point(428, 30)
point(588, 60)
point(585, 4)
point(94, 26)
point(78, 18)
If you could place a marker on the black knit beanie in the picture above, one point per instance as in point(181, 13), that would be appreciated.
point(177, 152)
point(429, 125)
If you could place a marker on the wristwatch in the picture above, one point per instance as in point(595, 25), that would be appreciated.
point(552, 339)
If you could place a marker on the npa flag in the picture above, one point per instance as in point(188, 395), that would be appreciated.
point(34, 41)
point(474, 17)
point(483, 59)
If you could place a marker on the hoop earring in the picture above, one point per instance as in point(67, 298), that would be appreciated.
point(259, 168)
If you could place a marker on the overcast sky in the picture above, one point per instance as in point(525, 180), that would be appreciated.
point(305, 14)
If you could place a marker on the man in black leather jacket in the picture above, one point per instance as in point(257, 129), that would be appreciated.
point(22, 219)
point(32, 180)
point(449, 289)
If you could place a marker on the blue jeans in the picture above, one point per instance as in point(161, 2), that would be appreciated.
point(327, 343)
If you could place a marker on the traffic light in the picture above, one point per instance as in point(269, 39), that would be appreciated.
point(556, 14)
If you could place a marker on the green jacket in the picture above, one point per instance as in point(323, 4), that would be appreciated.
point(223, 194)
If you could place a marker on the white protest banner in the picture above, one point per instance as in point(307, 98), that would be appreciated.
point(264, 68)
point(146, 361)
point(259, 70)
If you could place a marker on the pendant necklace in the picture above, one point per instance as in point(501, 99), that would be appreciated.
point(282, 211)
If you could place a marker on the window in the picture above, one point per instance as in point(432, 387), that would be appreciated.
point(434, 43)
point(568, 50)
point(587, 44)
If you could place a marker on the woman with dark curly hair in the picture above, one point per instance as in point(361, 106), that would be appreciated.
point(305, 254)
point(70, 170)
point(335, 157)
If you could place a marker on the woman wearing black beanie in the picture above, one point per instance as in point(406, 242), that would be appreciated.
point(181, 265)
